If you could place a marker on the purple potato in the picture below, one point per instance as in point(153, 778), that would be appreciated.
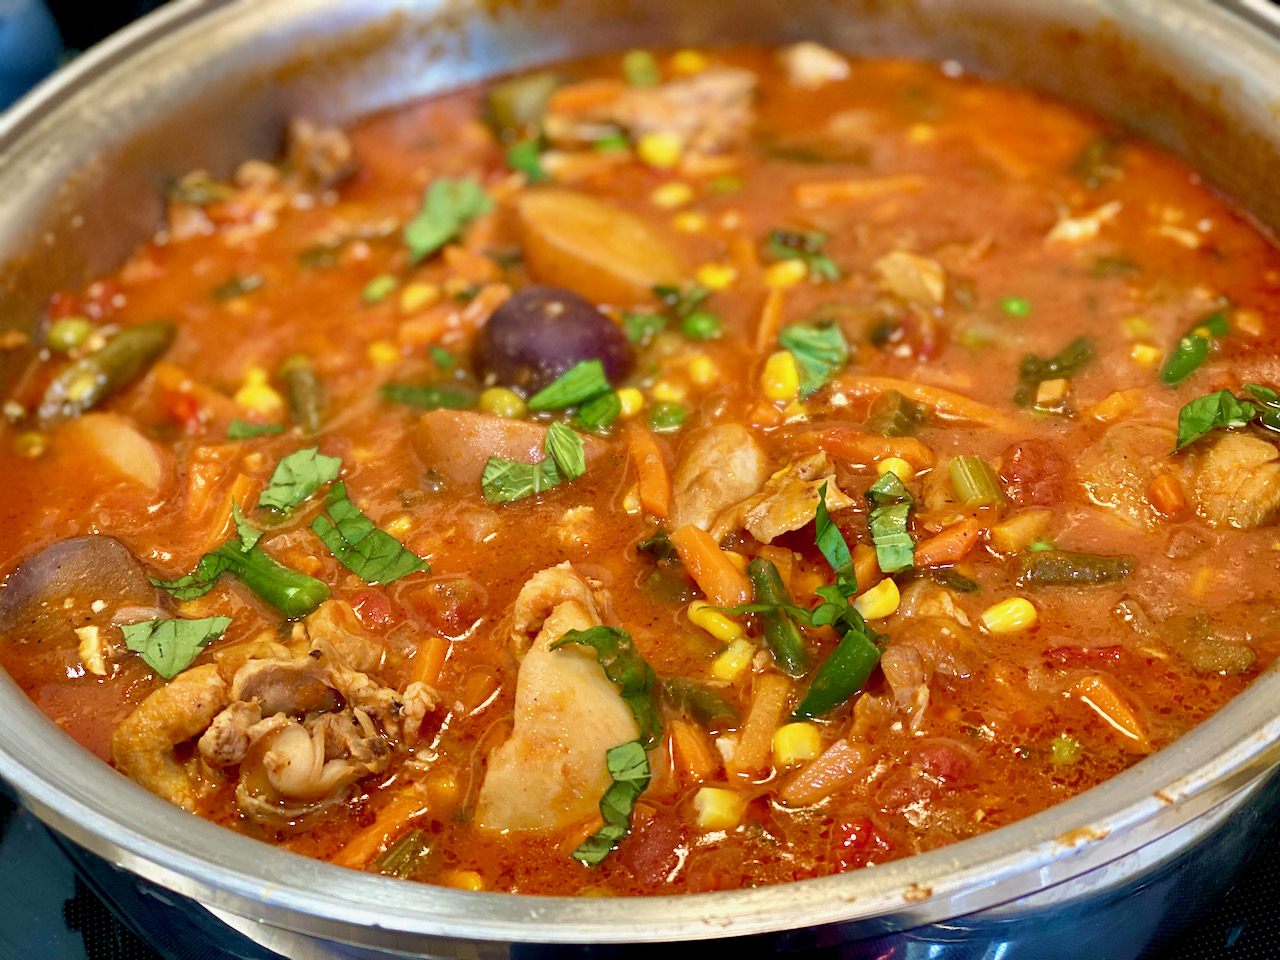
point(540, 333)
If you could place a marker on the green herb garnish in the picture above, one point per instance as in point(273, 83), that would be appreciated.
point(891, 503)
point(805, 246)
point(623, 664)
point(506, 480)
point(371, 554)
point(525, 156)
point(249, 535)
point(566, 448)
point(239, 430)
point(298, 476)
point(581, 382)
point(834, 548)
point(1224, 411)
point(820, 351)
point(642, 327)
point(170, 646)
point(448, 206)
point(629, 767)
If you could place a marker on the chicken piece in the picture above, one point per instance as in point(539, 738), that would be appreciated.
point(921, 648)
point(810, 65)
point(335, 622)
point(788, 501)
point(230, 734)
point(719, 466)
point(321, 156)
point(1117, 470)
point(551, 772)
point(299, 765)
point(711, 111)
point(1237, 481)
point(917, 280)
point(142, 746)
point(284, 685)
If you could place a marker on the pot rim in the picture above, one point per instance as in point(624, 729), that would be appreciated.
point(114, 818)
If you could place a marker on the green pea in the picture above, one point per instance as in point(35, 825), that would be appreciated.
point(666, 416)
point(378, 289)
point(68, 333)
point(702, 325)
point(1016, 306)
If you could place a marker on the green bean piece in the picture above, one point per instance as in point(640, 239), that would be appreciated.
point(780, 632)
point(93, 378)
point(292, 593)
point(407, 856)
point(1059, 568)
point(893, 415)
point(1193, 347)
point(841, 675)
point(700, 702)
point(513, 107)
point(304, 391)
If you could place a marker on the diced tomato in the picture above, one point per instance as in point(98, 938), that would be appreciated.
point(100, 299)
point(1084, 656)
point(653, 850)
point(857, 842)
point(373, 608)
point(63, 305)
point(943, 762)
point(1033, 474)
point(186, 410)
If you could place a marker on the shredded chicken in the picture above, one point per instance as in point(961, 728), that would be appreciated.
point(916, 279)
point(1117, 470)
point(321, 156)
point(920, 649)
point(719, 467)
point(788, 501)
point(552, 772)
point(810, 65)
point(1237, 481)
point(335, 622)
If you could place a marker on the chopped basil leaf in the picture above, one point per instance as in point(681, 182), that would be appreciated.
point(579, 383)
point(833, 546)
point(1269, 415)
point(682, 301)
point(1034, 370)
point(506, 480)
point(623, 665)
point(599, 411)
point(805, 246)
point(1217, 410)
point(292, 593)
point(525, 156)
point(428, 397)
point(447, 207)
point(566, 448)
point(200, 580)
point(239, 430)
point(895, 550)
point(170, 646)
point(371, 554)
point(249, 536)
point(820, 352)
point(298, 476)
point(629, 768)
point(1193, 347)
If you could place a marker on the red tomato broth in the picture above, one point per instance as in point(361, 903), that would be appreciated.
point(995, 169)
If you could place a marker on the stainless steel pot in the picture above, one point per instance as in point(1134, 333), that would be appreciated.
point(203, 84)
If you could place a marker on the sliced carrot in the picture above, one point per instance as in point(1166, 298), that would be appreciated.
point(1105, 700)
point(392, 818)
point(861, 448)
point(765, 414)
point(711, 568)
point(770, 319)
point(945, 403)
point(950, 545)
point(1165, 494)
point(839, 765)
point(586, 96)
point(815, 194)
point(653, 478)
point(429, 660)
point(473, 267)
point(866, 566)
point(692, 758)
point(755, 740)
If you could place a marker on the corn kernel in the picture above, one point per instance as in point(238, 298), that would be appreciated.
point(671, 195)
point(717, 276)
point(466, 880)
point(781, 378)
point(690, 221)
point(257, 395)
point(631, 503)
point(739, 560)
point(399, 526)
point(718, 808)
point(897, 466)
point(785, 273)
point(30, 444)
point(666, 391)
point(662, 150)
point(1010, 616)
point(734, 660)
point(880, 601)
point(443, 789)
point(921, 133)
point(383, 353)
point(703, 371)
point(632, 401)
point(717, 623)
point(502, 402)
point(688, 61)
point(794, 742)
point(795, 411)
point(418, 296)
point(1136, 327)
point(1250, 322)
point(1145, 354)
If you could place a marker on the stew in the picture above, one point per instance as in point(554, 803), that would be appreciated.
point(673, 471)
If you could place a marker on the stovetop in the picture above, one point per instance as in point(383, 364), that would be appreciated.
point(51, 910)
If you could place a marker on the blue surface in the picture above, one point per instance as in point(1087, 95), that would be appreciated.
point(30, 47)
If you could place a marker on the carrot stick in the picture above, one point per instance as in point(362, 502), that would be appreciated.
point(1111, 705)
point(945, 403)
point(692, 758)
point(840, 764)
point(429, 661)
point(858, 447)
point(715, 574)
point(770, 319)
point(816, 194)
point(393, 817)
point(755, 740)
point(653, 479)
point(586, 96)
point(950, 545)
point(866, 566)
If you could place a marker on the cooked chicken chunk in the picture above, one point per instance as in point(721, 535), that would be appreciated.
point(916, 279)
point(710, 111)
point(788, 501)
point(810, 65)
point(1117, 470)
point(551, 772)
point(719, 467)
point(1237, 481)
